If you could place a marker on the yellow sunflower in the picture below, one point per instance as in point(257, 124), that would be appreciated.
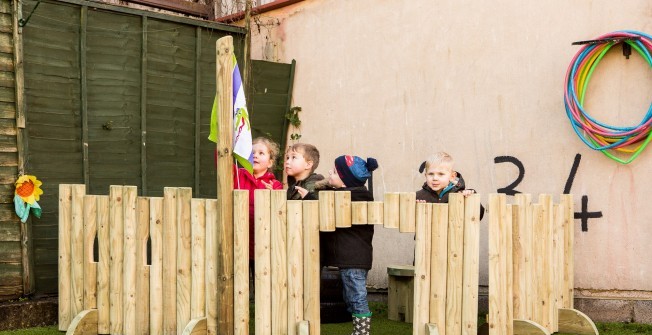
point(29, 188)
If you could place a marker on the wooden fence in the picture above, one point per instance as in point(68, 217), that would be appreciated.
point(531, 267)
point(121, 292)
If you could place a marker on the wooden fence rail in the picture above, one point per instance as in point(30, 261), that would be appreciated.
point(531, 267)
point(174, 292)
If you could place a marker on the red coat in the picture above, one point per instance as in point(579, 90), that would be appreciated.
point(243, 180)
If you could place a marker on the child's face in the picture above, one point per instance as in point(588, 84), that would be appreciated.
point(334, 179)
point(296, 164)
point(439, 176)
point(262, 161)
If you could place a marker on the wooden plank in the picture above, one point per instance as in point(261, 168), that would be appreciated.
point(375, 212)
point(241, 255)
point(518, 263)
point(295, 264)
point(525, 274)
point(103, 266)
point(184, 257)
point(142, 269)
point(263, 278)
point(65, 226)
point(198, 287)
point(116, 232)
point(224, 80)
point(508, 277)
point(77, 250)
point(311, 268)
point(550, 310)
point(422, 252)
point(169, 264)
point(156, 234)
point(211, 265)
point(407, 202)
point(455, 263)
point(558, 255)
point(343, 209)
point(90, 266)
point(471, 264)
point(327, 211)
point(358, 213)
point(279, 263)
point(497, 294)
point(439, 265)
point(391, 210)
point(538, 250)
point(130, 265)
point(566, 201)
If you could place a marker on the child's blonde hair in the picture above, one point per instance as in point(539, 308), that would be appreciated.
point(309, 152)
point(272, 147)
point(440, 158)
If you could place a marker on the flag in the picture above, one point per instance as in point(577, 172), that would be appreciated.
point(242, 141)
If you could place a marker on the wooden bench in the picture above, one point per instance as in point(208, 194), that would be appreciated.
point(400, 295)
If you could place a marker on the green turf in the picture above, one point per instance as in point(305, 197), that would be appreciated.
point(382, 326)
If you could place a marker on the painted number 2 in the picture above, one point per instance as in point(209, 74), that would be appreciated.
point(584, 215)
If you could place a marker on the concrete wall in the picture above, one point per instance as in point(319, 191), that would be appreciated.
point(400, 80)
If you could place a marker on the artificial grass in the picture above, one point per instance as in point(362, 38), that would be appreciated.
point(382, 326)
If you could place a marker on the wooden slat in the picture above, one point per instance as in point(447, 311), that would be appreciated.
point(327, 211)
point(569, 233)
point(295, 264)
point(90, 266)
point(116, 231)
point(156, 268)
point(142, 269)
point(525, 228)
point(391, 210)
point(65, 226)
point(262, 248)
point(375, 212)
point(550, 311)
point(497, 296)
point(508, 277)
point(103, 266)
point(130, 265)
point(558, 254)
point(198, 291)
point(422, 252)
point(77, 250)
point(538, 250)
point(279, 262)
point(211, 265)
point(358, 213)
point(169, 265)
point(455, 263)
point(471, 264)
point(518, 263)
point(407, 208)
point(184, 257)
point(439, 266)
point(343, 209)
point(241, 256)
point(311, 269)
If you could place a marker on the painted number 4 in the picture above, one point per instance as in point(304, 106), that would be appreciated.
point(584, 215)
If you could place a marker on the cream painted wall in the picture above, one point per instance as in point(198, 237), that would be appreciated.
point(400, 80)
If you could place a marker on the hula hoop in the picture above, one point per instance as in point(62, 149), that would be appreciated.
point(595, 134)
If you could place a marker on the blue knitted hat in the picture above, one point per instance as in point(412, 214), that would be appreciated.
point(353, 170)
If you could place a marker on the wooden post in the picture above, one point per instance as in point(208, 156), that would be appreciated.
point(455, 263)
point(568, 237)
point(343, 209)
point(116, 232)
point(156, 268)
point(423, 219)
point(142, 272)
point(407, 209)
point(311, 268)
point(224, 77)
point(90, 266)
point(262, 248)
point(169, 264)
point(375, 212)
point(65, 224)
point(497, 294)
point(198, 233)
point(327, 211)
point(279, 262)
point(103, 269)
point(358, 213)
point(130, 265)
point(295, 265)
point(211, 266)
point(184, 257)
point(241, 254)
point(471, 265)
point(438, 266)
point(391, 210)
point(77, 250)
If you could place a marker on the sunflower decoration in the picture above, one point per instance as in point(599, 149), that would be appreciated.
point(28, 191)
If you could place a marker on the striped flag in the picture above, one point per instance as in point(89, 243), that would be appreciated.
point(242, 141)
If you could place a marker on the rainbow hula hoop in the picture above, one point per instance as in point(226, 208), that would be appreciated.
point(595, 134)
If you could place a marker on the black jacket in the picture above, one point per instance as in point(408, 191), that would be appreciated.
point(349, 247)
point(308, 184)
point(429, 195)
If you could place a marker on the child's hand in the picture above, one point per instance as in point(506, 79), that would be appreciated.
point(468, 192)
point(302, 191)
point(269, 186)
point(421, 201)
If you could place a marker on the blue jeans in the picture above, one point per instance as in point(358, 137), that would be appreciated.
point(355, 290)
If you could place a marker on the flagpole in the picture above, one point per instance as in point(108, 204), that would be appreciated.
point(224, 322)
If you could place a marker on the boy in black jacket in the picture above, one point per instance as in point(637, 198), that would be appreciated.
point(350, 249)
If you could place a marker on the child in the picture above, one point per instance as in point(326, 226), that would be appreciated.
point(301, 160)
point(350, 249)
point(441, 180)
point(264, 152)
